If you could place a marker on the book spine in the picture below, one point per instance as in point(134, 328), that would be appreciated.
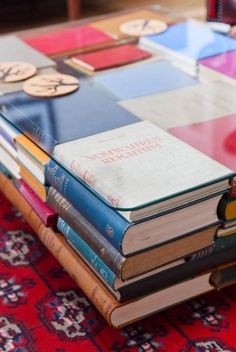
point(28, 127)
point(222, 209)
point(44, 212)
point(105, 219)
point(57, 245)
point(222, 253)
point(88, 233)
point(87, 253)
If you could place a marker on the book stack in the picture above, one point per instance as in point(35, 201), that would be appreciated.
point(130, 187)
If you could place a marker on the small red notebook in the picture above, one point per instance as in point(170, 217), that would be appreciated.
point(69, 40)
point(112, 57)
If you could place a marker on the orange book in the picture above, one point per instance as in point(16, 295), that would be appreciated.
point(25, 145)
point(36, 186)
point(117, 314)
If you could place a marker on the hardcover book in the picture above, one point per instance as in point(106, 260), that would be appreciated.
point(112, 57)
point(144, 80)
point(9, 163)
point(219, 67)
point(70, 40)
point(36, 166)
point(194, 41)
point(215, 138)
point(46, 214)
point(127, 236)
point(205, 102)
point(78, 228)
point(53, 121)
point(39, 189)
point(13, 48)
point(149, 151)
point(117, 314)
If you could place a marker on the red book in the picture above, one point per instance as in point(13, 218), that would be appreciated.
point(215, 138)
point(46, 214)
point(112, 57)
point(69, 40)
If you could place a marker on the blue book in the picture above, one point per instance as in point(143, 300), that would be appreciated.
point(126, 236)
point(87, 253)
point(52, 121)
point(190, 41)
point(144, 79)
point(104, 218)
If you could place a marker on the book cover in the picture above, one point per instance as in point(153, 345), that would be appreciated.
point(112, 25)
point(227, 209)
point(112, 57)
point(46, 214)
point(69, 40)
point(194, 41)
point(108, 306)
point(224, 63)
point(87, 253)
point(126, 160)
point(52, 121)
point(9, 163)
point(221, 252)
point(13, 48)
point(196, 103)
point(144, 80)
point(134, 265)
point(32, 157)
point(38, 188)
point(215, 138)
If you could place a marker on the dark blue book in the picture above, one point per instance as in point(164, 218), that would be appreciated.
point(52, 121)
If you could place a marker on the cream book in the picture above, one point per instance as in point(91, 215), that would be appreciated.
point(142, 169)
point(193, 104)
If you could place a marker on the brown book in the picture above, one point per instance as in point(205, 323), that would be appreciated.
point(115, 313)
point(224, 276)
point(134, 265)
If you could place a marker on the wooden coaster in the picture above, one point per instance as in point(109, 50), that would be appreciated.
point(140, 27)
point(15, 71)
point(52, 85)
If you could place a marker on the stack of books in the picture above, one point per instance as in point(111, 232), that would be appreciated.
point(130, 180)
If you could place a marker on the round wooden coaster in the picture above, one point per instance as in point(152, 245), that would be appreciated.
point(15, 71)
point(51, 85)
point(141, 26)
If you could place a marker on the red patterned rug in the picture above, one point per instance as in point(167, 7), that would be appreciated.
point(42, 310)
